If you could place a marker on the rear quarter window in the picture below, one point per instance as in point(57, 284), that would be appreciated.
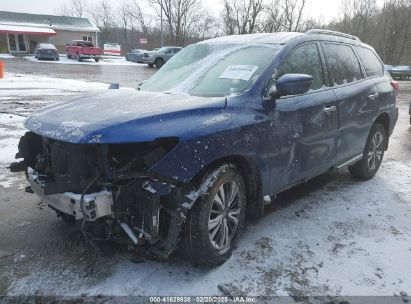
point(342, 62)
point(372, 65)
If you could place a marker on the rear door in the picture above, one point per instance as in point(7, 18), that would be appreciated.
point(357, 99)
point(304, 127)
point(374, 69)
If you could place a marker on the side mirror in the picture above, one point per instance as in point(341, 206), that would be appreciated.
point(291, 84)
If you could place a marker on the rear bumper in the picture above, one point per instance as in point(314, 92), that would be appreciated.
point(48, 56)
point(96, 205)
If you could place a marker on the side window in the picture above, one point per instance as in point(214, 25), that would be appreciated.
point(304, 60)
point(342, 62)
point(371, 63)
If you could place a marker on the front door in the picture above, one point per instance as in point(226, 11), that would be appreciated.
point(17, 43)
point(304, 128)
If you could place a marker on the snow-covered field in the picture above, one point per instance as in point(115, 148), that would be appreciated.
point(332, 236)
point(106, 60)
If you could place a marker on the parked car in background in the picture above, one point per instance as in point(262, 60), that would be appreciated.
point(136, 55)
point(200, 146)
point(46, 51)
point(161, 56)
point(401, 72)
point(79, 50)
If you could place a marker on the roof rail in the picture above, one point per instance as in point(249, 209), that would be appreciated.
point(334, 33)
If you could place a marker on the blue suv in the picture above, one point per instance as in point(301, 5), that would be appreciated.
point(199, 147)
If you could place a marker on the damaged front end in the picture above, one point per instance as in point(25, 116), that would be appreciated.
point(110, 188)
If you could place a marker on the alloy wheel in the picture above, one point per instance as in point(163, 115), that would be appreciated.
point(376, 151)
point(224, 215)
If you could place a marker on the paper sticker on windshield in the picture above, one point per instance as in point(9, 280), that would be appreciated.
point(243, 72)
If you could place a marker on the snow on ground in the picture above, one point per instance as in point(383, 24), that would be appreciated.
point(24, 82)
point(19, 96)
point(343, 237)
point(6, 56)
point(11, 129)
point(106, 60)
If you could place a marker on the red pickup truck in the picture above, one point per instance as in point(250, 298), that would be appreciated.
point(79, 49)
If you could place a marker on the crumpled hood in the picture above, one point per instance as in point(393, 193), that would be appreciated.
point(126, 115)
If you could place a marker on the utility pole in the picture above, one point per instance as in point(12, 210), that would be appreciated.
point(161, 24)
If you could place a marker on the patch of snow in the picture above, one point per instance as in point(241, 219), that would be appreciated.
point(17, 84)
point(6, 56)
point(11, 129)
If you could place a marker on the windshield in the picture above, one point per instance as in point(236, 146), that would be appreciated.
point(212, 69)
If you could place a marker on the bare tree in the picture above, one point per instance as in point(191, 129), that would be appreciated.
point(242, 16)
point(138, 17)
point(180, 16)
point(292, 11)
point(273, 18)
point(74, 8)
point(357, 16)
point(395, 27)
point(102, 14)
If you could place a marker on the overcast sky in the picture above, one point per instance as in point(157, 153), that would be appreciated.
point(318, 9)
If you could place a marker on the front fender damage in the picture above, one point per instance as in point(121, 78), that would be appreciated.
point(110, 188)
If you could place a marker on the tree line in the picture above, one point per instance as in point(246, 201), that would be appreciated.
point(387, 28)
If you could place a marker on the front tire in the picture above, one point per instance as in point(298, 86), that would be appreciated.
point(373, 154)
point(159, 63)
point(217, 218)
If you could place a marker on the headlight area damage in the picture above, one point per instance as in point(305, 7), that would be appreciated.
point(111, 186)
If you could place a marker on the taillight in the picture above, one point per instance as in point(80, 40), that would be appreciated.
point(395, 85)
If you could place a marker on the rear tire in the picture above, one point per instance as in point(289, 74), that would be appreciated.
point(96, 59)
point(217, 218)
point(373, 154)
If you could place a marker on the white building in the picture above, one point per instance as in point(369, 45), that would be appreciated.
point(21, 32)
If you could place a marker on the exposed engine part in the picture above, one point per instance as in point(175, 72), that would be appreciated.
point(110, 189)
point(129, 232)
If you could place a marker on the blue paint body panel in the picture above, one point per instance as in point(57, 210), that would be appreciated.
point(289, 140)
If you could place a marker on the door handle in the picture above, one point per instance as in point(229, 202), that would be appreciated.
point(373, 96)
point(330, 109)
